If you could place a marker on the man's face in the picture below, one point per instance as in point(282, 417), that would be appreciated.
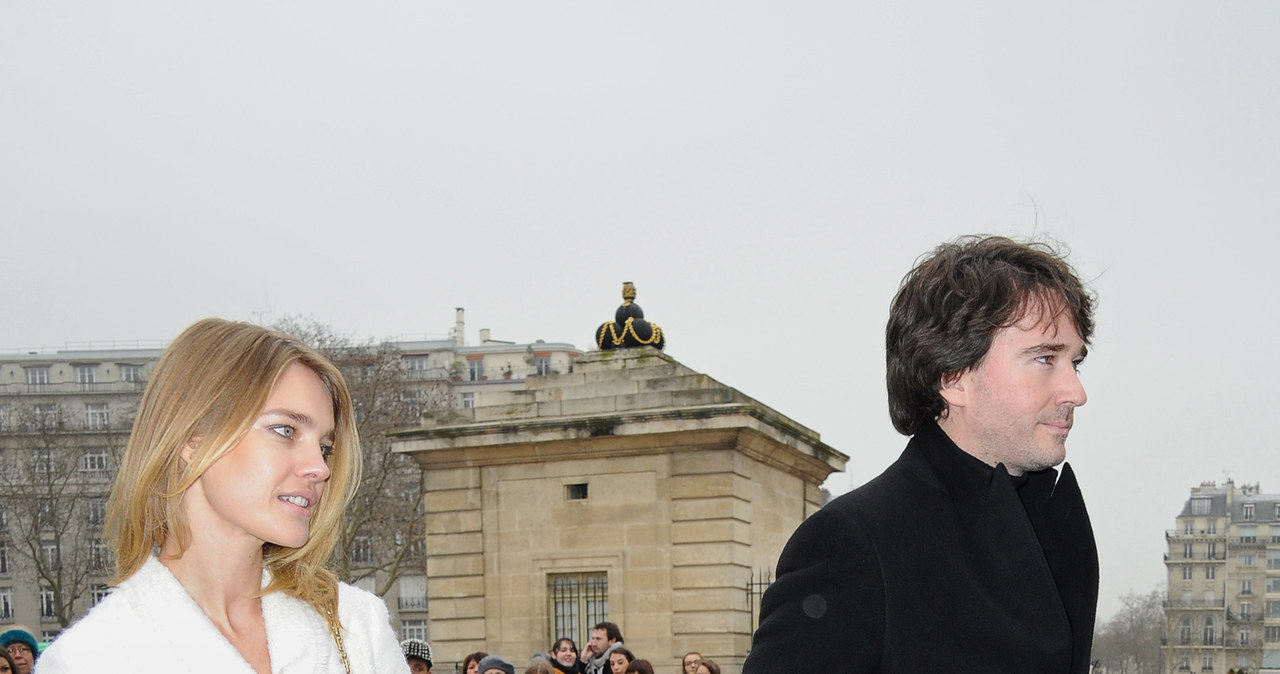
point(22, 657)
point(599, 641)
point(418, 666)
point(691, 662)
point(1016, 406)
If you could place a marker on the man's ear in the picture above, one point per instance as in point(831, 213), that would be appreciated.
point(953, 389)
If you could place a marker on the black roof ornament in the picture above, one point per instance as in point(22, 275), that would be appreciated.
point(629, 329)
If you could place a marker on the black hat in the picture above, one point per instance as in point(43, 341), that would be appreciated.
point(495, 662)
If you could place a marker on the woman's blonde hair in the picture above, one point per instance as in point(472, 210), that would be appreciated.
point(206, 391)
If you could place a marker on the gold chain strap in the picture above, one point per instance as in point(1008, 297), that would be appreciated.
point(336, 631)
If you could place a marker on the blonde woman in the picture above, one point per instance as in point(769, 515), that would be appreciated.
point(228, 502)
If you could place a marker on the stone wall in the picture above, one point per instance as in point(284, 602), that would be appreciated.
point(691, 487)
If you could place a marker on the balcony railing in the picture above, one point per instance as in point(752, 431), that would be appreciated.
point(66, 387)
point(430, 374)
point(413, 603)
point(1183, 533)
point(1195, 603)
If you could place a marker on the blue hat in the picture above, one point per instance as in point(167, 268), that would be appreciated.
point(17, 636)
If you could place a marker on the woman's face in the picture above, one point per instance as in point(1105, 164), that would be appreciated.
point(618, 663)
point(22, 657)
point(267, 487)
point(565, 653)
point(473, 668)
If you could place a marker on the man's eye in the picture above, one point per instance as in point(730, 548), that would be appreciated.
point(283, 430)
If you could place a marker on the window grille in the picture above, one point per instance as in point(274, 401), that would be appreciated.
point(578, 602)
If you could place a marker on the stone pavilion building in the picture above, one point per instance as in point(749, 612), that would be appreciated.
point(632, 489)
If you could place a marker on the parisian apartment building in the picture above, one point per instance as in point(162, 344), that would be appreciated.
point(65, 417)
point(1223, 608)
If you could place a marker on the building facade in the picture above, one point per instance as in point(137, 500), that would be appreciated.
point(1223, 608)
point(65, 417)
point(633, 490)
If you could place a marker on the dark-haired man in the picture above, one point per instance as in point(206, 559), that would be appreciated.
point(969, 553)
point(605, 639)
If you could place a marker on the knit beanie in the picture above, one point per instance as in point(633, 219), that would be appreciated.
point(417, 648)
point(495, 662)
point(16, 636)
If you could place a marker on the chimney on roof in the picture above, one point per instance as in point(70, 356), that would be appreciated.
point(484, 336)
point(459, 329)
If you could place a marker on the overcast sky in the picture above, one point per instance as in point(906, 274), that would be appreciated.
point(764, 173)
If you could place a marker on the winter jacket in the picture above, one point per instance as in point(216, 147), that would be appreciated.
point(150, 625)
point(940, 564)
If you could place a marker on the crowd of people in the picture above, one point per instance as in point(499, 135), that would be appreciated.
point(603, 654)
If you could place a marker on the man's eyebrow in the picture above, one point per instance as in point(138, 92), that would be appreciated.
point(1053, 347)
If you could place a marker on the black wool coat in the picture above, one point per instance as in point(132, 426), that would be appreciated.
point(940, 564)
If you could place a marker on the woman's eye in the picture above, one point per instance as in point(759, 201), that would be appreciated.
point(283, 430)
point(326, 451)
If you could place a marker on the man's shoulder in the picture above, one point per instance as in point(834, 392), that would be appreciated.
point(900, 483)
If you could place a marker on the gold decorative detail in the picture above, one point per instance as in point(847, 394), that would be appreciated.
point(627, 329)
point(335, 628)
point(628, 293)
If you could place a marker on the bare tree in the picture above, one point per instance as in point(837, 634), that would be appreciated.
point(382, 535)
point(1129, 643)
point(56, 473)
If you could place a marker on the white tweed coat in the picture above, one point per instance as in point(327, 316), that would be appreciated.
point(149, 624)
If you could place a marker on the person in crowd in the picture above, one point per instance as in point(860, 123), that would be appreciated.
point(228, 502)
point(690, 662)
point(539, 665)
point(706, 667)
point(605, 638)
point(639, 666)
point(22, 648)
point(7, 665)
point(983, 346)
point(564, 656)
point(471, 663)
point(417, 653)
point(493, 664)
point(619, 658)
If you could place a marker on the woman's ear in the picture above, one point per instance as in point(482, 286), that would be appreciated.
point(189, 449)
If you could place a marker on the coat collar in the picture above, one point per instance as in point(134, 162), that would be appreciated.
point(297, 637)
point(968, 480)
